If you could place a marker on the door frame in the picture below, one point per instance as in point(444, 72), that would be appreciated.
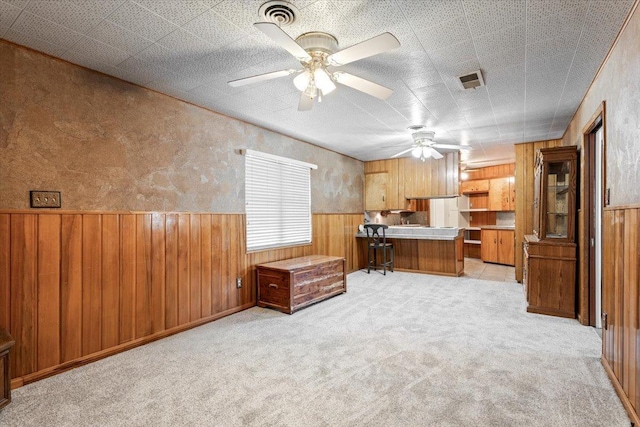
point(587, 292)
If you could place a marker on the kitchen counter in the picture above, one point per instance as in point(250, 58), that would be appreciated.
point(498, 227)
point(422, 249)
point(421, 232)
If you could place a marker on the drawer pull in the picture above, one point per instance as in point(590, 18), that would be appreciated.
point(273, 285)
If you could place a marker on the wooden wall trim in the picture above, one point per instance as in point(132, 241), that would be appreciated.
point(54, 370)
point(76, 287)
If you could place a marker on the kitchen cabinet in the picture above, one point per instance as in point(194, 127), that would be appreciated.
point(375, 191)
point(502, 194)
point(497, 246)
point(474, 186)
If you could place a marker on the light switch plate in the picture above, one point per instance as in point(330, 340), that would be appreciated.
point(45, 199)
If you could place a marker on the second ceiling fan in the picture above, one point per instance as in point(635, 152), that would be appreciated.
point(424, 146)
point(318, 53)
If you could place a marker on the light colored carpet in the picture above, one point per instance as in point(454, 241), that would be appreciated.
point(397, 350)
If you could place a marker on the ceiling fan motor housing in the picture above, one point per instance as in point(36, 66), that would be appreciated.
point(423, 136)
point(317, 42)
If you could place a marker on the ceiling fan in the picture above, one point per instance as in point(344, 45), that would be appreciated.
point(318, 53)
point(424, 146)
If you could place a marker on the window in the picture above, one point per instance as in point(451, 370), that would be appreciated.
point(277, 201)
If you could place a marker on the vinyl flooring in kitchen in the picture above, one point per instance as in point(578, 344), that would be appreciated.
point(477, 269)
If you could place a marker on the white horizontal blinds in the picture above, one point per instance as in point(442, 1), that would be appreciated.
point(278, 201)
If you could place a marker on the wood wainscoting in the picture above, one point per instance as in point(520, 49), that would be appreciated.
point(79, 286)
point(621, 304)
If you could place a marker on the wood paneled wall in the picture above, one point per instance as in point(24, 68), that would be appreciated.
point(621, 303)
point(77, 286)
point(525, 171)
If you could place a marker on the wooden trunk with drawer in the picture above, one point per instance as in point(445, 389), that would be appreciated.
point(296, 283)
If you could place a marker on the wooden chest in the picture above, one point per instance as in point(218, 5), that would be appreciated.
point(6, 342)
point(293, 284)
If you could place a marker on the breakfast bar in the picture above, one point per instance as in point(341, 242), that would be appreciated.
point(422, 249)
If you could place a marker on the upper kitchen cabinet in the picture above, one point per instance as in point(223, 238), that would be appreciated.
point(375, 194)
point(502, 194)
point(474, 186)
point(497, 183)
point(381, 181)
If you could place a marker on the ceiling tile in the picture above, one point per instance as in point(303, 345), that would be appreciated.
point(486, 17)
point(34, 43)
point(116, 36)
point(213, 29)
point(101, 8)
point(443, 34)
point(39, 28)
point(424, 13)
point(177, 11)
point(141, 21)
point(186, 45)
point(66, 13)
point(8, 14)
point(98, 51)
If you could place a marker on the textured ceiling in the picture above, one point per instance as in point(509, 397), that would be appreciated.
point(538, 58)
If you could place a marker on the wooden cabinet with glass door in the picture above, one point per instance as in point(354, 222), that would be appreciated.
point(550, 252)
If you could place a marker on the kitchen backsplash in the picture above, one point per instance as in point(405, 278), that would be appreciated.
point(505, 218)
point(376, 217)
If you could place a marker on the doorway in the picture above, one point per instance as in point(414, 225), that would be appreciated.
point(594, 149)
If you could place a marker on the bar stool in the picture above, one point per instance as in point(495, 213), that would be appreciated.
point(377, 241)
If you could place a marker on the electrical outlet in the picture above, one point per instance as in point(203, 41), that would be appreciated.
point(239, 282)
point(45, 199)
point(607, 197)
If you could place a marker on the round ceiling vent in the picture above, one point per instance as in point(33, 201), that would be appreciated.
point(279, 12)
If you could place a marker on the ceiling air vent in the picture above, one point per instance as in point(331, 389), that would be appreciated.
point(471, 81)
point(279, 12)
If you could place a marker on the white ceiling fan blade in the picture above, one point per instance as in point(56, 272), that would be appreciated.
point(260, 78)
point(276, 34)
point(452, 146)
point(402, 152)
point(306, 103)
point(362, 85)
point(365, 49)
point(435, 154)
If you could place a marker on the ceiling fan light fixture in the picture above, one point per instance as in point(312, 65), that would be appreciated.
point(301, 81)
point(416, 152)
point(311, 91)
point(323, 81)
point(426, 153)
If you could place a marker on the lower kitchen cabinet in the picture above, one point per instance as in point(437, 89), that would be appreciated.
point(498, 246)
point(549, 277)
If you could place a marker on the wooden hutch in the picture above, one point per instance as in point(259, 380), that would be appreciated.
point(549, 274)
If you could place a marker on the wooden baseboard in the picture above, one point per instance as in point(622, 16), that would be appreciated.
point(633, 415)
point(54, 370)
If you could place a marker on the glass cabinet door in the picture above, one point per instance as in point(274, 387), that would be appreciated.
point(557, 184)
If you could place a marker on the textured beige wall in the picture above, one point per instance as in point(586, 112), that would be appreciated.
point(110, 145)
point(619, 86)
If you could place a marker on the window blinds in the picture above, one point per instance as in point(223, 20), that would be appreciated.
point(278, 201)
